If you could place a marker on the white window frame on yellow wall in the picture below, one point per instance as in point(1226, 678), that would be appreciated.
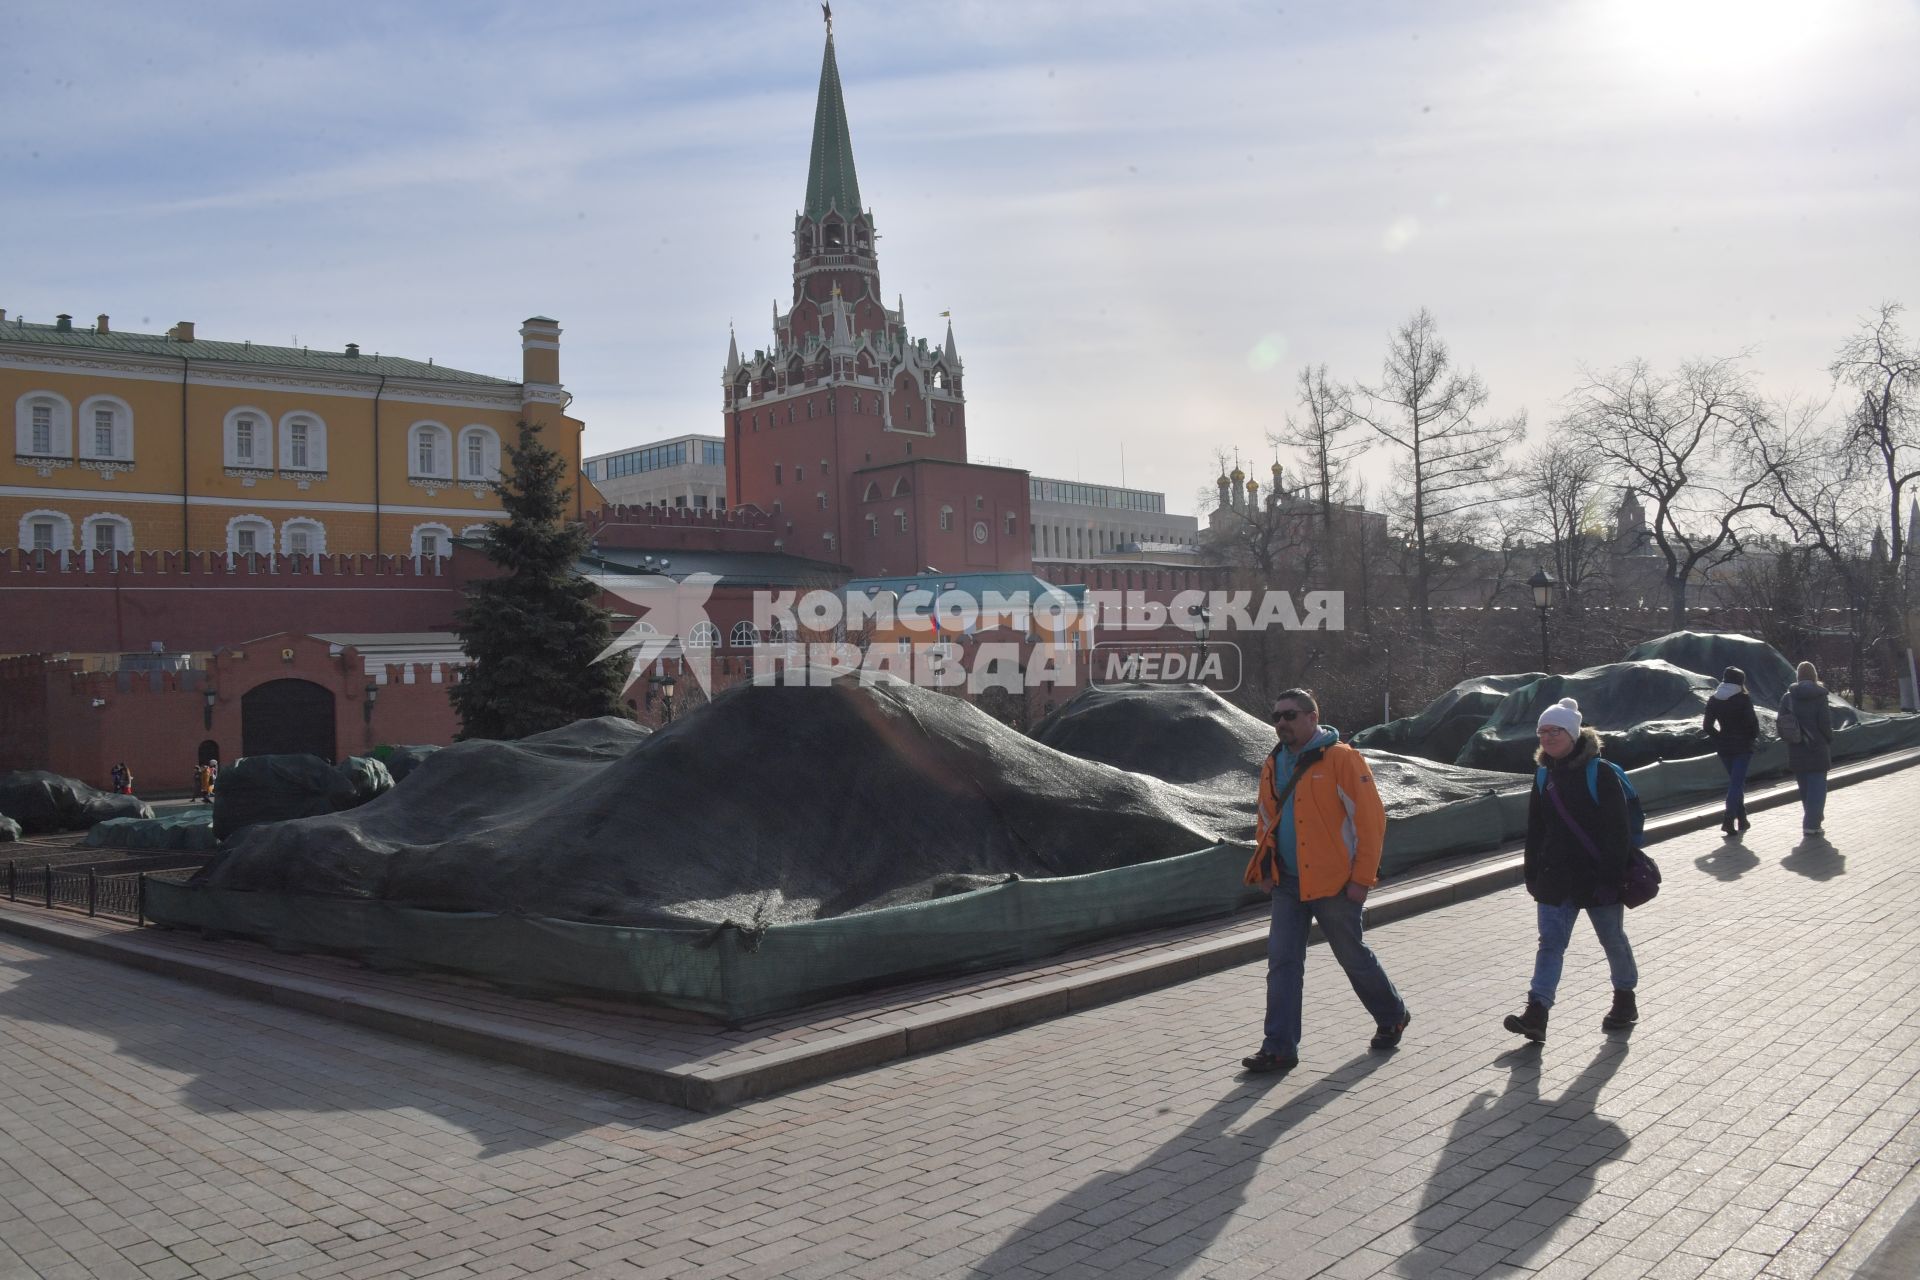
point(315, 466)
point(119, 434)
point(316, 536)
point(435, 530)
point(439, 462)
point(487, 440)
point(90, 532)
point(59, 426)
point(260, 464)
point(259, 526)
point(62, 530)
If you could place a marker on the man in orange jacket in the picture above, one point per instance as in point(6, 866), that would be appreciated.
point(1318, 846)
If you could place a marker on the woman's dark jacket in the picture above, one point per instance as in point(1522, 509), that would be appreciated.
point(1732, 723)
point(1559, 868)
point(1808, 702)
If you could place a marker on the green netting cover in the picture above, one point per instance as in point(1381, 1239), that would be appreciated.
point(190, 829)
point(736, 974)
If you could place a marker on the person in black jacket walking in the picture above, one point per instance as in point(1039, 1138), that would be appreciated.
point(1809, 758)
point(1565, 878)
point(1733, 726)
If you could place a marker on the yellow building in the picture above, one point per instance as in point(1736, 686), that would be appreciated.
point(167, 442)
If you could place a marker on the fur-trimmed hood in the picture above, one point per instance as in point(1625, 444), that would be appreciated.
point(1585, 747)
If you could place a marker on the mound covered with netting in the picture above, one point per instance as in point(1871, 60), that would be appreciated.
point(42, 802)
point(773, 805)
point(1647, 708)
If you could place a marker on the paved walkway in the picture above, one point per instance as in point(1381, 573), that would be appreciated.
point(1764, 1119)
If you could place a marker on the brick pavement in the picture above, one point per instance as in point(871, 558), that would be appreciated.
point(1766, 1107)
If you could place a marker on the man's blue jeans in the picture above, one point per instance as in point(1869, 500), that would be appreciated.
point(1340, 924)
point(1813, 797)
point(1556, 930)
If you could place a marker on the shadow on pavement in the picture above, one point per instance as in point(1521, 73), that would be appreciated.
point(1189, 1186)
point(282, 1061)
point(1515, 1167)
point(1815, 859)
point(1729, 862)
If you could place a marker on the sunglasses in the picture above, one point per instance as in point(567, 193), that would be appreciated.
point(1287, 717)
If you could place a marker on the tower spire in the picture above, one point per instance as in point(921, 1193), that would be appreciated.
point(831, 182)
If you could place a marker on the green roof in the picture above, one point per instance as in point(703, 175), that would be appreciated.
point(831, 183)
point(159, 344)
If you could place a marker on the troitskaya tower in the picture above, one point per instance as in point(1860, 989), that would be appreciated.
point(844, 389)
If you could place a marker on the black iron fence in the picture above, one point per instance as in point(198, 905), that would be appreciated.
point(118, 895)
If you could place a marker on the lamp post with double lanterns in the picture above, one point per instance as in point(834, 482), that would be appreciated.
point(1543, 584)
point(664, 683)
point(208, 699)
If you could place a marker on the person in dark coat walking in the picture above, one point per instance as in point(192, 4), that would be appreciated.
point(1733, 726)
point(1809, 758)
point(1565, 878)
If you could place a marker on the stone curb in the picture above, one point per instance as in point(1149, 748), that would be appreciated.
point(698, 1090)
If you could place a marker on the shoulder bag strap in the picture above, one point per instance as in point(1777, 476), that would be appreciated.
point(1593, 850)
point(1300, 766)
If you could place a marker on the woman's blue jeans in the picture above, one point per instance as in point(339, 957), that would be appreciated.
point(1556, 930)
point(1737, 783)
point(1813, 797)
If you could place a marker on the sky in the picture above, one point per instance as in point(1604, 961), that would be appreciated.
point(1144, 218)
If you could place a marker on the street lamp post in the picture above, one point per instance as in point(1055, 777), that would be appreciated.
point(1205, 630)
point(665, 684)
point(371, 695)
point(1543, 584)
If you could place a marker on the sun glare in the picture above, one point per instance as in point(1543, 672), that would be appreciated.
point(1716, 41)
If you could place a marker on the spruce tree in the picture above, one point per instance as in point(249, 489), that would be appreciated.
point(532, 634)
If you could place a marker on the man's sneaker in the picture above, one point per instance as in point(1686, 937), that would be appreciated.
point(1532, 1024)
point(1385, 1037)
point(1624, 1014)
point(1264, 1063)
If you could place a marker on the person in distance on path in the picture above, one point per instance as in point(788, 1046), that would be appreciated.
point(1565, 879)
point(1733, 726)
point(1810, 753)
point(1320, 830)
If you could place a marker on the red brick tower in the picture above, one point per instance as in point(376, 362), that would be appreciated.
point(828, 429)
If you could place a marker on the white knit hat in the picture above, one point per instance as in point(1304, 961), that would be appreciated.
point(1564, 714)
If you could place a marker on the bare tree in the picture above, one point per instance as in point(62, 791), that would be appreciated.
point(1563, 489)
point(1324, 439)
point(1450, 455)
point(1883, 370)
point(1680, 439)
point(1827, 496)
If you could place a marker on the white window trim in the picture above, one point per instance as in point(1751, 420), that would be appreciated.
point(122, 540)
point(316, 441)
point(489, 453)
point(743, 636)
point(263, 545)
point(122, 428)
point(60, 445)
point(317, 539)
point(475, 530)
point(703, 635)
point(446, 538)
point(262, 459)
point(62, 529)
point(442, 447)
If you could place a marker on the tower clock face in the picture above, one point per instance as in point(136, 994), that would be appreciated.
point(979, 530)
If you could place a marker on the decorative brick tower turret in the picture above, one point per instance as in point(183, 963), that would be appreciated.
point(845, 387)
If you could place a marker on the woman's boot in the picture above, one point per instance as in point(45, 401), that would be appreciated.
point(1625, 1012)
point(1532, 1024)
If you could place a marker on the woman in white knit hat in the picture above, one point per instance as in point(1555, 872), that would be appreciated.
point(1579, 846)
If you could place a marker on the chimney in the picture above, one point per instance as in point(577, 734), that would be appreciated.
point(353, 349)
point(100, 324)
point(182, 332)
point(63, 324)
point(3, 315)
point(540, 351)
